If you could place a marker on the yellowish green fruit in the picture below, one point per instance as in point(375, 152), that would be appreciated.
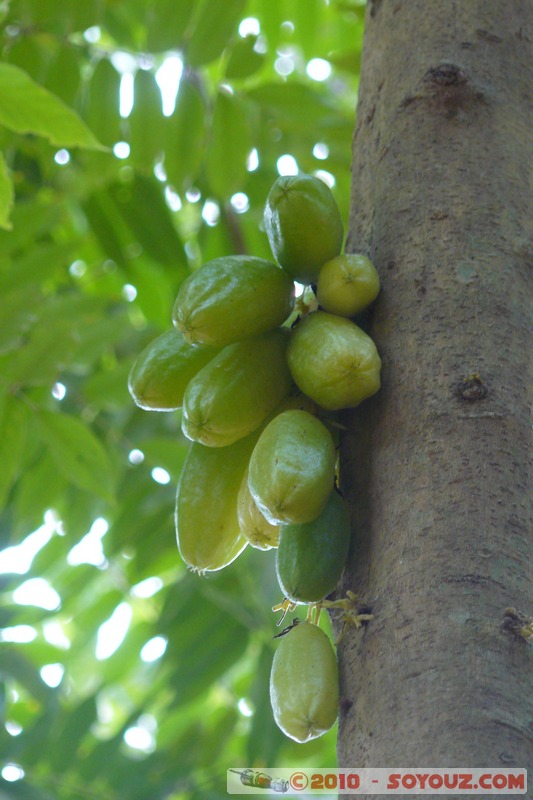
point(231, 298)
point(160, 374)
point(333, 361)
point(292, 468)
point(347, 284)
point(303, 225)
point(257, 530)
point(304, 683)
point(207, 525)
point(233, 394)
point(310, 557)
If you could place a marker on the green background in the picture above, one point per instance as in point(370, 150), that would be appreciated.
point(93, 248)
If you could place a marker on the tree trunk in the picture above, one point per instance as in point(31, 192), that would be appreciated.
point(436, 463)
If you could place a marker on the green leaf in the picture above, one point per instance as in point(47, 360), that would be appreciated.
point(43, 355)
point(13, 432)
point(78, 454)
point(101, 110)
point(167, 23)
point(185, 134)
point(143, 208)
point(229, 145)
point(243, 59)
point(6, 196)
point(25, 107)
point(215, 24)
point(37, 490)
point(146, 122)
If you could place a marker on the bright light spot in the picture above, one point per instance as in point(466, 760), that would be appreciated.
point(59, 391)
point(154, 648)
point(129, 292)
point(211, 212)
point(12, 773)
point(92, 34)
point(193, 194)
point(37, 592)
point(139, 739)
point(159, 172)
point(13, 728)
point(89, 549)
point(173, 199)
point(52, 674)
point(160, 475)
point(19, 557)
point(261, 45)
point(54, 634)
point(244, 707)
point(142, 735)
point(147, 588)
point(112, 633)
point(168, 77)
point(121, 150)
point(227, 88)
point(136, 456)
point(298, 289)
point(20, 634)
point(126, 94)
point(190, 250)
point(287, 165)
point(327, 177)
point(240, 202)
point(123, 62)
point(252, 162)
point(249, 27)
point(284, 65)
point(78, 268)
point(318, 69)
point(287, 26)
point(62, 157)
point(321, 151)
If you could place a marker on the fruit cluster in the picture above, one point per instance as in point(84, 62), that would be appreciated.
point(258, 379)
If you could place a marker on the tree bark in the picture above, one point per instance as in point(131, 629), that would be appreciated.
point(436, 464)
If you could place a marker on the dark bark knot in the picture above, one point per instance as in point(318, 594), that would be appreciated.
point(518, 624)
point(471, 389)
point(445, 75)
point(448, 88)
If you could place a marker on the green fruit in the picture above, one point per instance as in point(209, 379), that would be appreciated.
point(311, 556)
point(303, 225)
point(347, 284)
point(159, 377)
point(207, 525)
point(333, 361)
point(304, 683)
point(231, 298)
point(292, 468)
point(233, 394)
point(257, 530)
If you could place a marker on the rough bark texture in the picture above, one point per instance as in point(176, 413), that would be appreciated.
point(436, 465)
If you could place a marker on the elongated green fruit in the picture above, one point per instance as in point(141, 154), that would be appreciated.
point(292, 468)
point(207, 525)
point(333, 361)
point(347, 284)
point(160, 374)
point(257, 530)
point(303, 225)
point(231, 298)
point(233, 394)
point(304, 683)
point(310, 557)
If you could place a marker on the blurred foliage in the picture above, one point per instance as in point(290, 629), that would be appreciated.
point(104, 212)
